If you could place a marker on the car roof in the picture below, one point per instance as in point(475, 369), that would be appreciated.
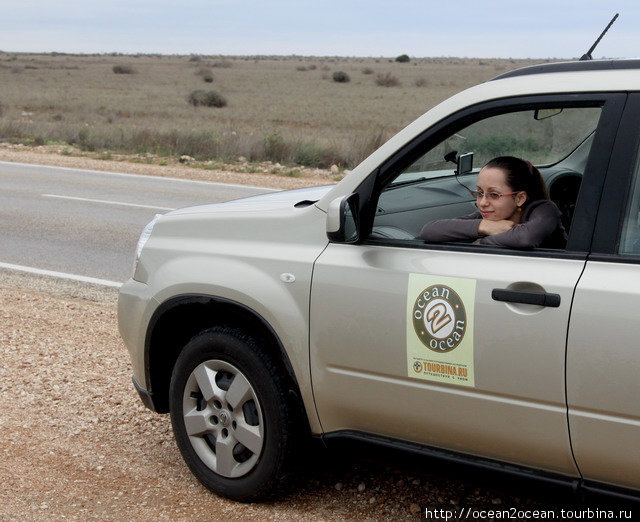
point(581, 65)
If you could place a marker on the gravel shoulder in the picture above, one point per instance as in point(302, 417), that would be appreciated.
point(271, 175)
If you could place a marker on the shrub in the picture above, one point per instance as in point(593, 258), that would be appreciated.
point(422, 82)
point(195, 58)
point(207, 99)
point(387, 80)
point(206, 74)
point(222, 64)
point(341, 77)
point(403, 58)
point(123, 69)
point(367, 70)
point(275, 148)
point(310, 155)
point(301, 68)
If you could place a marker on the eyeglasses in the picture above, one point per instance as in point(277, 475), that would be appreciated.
point(493, 196)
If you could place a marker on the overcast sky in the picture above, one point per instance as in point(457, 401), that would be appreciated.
point(465, 28)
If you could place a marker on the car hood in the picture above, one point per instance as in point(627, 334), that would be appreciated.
point(263, 202)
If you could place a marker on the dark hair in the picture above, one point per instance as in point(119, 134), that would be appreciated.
point(521, 175)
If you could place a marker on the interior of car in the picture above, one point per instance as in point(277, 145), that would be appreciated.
point(430, 188)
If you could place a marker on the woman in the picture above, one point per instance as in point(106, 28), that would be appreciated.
point(513, 210)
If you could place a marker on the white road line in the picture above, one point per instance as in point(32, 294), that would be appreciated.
point(105, 202)
point(61, 275)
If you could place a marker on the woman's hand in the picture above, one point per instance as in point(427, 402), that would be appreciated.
point(491, 228)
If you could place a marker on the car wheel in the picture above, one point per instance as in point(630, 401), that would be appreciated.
point(232, 415)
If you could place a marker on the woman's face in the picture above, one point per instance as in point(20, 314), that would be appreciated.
point(492, 179)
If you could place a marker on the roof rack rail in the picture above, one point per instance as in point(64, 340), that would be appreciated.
point(555, 67)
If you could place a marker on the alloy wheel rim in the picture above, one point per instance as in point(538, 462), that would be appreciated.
point(223, 418)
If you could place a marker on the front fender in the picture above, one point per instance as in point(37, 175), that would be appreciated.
point(280, 303)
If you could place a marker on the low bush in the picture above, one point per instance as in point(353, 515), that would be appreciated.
point(422, 82)
point(206, 74)
point(203, 98)
point(275, 148)
point(403, 58)
point(123, 69)
point(313, 155)
point(367, 70)
point(222, 64)
point(341, 77)
point(387, 80)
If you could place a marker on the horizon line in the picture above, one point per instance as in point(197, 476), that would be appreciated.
point(213, 55)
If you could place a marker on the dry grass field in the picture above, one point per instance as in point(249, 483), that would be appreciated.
point(285, 109)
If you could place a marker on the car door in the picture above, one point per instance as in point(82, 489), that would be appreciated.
point(603, 350)
point(485, 374)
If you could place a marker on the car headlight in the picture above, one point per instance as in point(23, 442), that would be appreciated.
point(144, 237)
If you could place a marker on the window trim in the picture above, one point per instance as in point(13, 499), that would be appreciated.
point(581, 233)
point(476, 249)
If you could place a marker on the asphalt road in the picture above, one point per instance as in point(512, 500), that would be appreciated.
point(86, 222)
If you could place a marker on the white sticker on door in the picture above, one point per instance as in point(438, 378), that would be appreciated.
point(440, 328)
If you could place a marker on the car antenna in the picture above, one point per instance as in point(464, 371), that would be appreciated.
point(588, 56)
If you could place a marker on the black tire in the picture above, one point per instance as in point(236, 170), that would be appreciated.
point(263, 417)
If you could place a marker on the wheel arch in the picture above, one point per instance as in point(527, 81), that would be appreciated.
point(181, 317)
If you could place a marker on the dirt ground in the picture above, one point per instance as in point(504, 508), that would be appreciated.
point(76, 443)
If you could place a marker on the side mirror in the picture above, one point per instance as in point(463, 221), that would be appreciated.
point(465, 163)
point(343, 224)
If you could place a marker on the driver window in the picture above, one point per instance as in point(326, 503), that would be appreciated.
point(556, 140)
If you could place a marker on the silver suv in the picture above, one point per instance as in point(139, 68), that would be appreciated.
point(257, 323)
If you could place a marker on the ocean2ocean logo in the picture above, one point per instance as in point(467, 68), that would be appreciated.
point(439, 318)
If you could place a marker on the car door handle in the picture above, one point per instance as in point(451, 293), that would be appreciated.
point(532, 298)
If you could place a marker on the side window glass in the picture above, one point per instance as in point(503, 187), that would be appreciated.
point(630, 238)
point(556, 140)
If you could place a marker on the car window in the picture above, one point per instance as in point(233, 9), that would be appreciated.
point(556, 140)
point(630, 238)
